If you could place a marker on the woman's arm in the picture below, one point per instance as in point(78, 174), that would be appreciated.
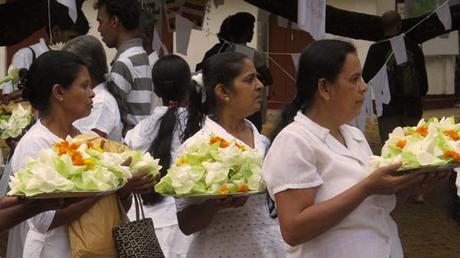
point(301, 219)
point(196, 217)
point(72, 212)
point(13, 212)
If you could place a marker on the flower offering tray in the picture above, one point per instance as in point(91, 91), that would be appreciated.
point(217, 196)
point(427, 169)
point(60, 195)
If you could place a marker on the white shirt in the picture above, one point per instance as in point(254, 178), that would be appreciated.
point(104, 116)
point(23, 58)
point(140, 138)
point(156, 101)
point(247, 231)
point(39, 241)
point(304, 155)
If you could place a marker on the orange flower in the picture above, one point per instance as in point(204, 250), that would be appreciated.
point(401, 143)
point(222, 142)
point(452, 154)
point(422, 130)
point(77, 159)
point(223, 189)
point(243, 188)
point(452, 134)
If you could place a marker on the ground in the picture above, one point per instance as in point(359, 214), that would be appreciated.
point(426, 230)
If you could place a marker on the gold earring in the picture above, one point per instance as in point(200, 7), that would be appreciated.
point(227, 98)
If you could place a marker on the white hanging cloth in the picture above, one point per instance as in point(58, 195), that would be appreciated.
point(183, 32)
point(399, 49)
point(445, 16)
point(311, 17)
point(70, 4)
point(295, 59)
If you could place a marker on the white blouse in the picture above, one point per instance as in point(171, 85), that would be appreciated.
point(247, 231)
point(104, 116)
point(305, 155)
point(140, 138)
point(40, 242)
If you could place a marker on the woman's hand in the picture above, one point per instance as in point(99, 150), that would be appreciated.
point(140, 183)
point(382, 181)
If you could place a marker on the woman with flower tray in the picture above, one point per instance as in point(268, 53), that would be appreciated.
point(329, 202)
point(59, 87)
point(229, 227)
point(161, 134)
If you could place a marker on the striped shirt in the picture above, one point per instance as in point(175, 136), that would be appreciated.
point(132, 83)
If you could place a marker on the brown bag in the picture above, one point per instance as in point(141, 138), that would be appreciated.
point(91, 234)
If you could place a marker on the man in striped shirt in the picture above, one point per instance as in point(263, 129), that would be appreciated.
point(131, 79)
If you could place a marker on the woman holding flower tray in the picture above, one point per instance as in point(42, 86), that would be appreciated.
point(317, 169)
point(59, 87)
point(233, 227)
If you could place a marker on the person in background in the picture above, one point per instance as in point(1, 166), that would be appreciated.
point(239, 29)
point(230, 227)
point(104, 118)
point(224, 43)
point(146, 29)
point(317, 169)
point(161, 134)
point(130, 75)
point(408, 82)
point(61, 30)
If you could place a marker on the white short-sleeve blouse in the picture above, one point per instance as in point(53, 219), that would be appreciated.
point(305, 155)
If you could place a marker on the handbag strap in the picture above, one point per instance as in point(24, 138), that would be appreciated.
point(139, 207)
point(123, 215)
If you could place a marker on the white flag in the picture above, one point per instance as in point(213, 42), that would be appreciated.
point(444, 16)
point(366, 111)
point(157, 45)
point(399, 49)
point(248, 51)
point(282, 22)
point(295, 59)
point(311, 17)
point(70, 4)
point(183, 31)
point(381, 85)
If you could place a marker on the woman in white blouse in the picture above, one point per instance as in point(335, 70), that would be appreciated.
point(232, 227)
point(104, 118)
point(329, 203)
point(59, 87)
point(161, 134)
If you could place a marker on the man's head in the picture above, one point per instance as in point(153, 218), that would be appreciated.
point(241, 27)
point(146, 27)
point(391, 24)
point(117, 18)
point(63, 28)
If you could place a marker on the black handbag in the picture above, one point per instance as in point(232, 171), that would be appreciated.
point(136, 238)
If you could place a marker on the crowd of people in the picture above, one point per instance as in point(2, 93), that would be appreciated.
point(322, 200)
